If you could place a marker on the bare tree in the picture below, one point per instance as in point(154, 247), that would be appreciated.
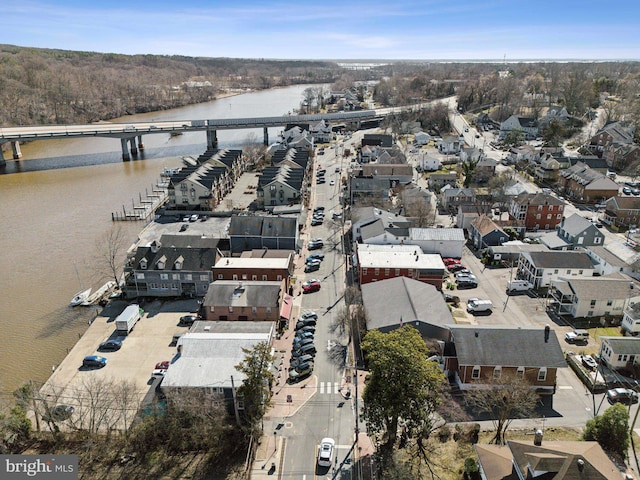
point(504, 399)
point(110, 253)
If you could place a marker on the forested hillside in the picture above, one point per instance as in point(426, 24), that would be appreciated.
point(41, 86)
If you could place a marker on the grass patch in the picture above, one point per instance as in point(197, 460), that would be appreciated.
point(550, 434)
point(598, 332)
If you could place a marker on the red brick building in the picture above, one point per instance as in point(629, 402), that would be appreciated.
point(538, 211)
point(584, 184)
point(250, 268)
point(400, 261)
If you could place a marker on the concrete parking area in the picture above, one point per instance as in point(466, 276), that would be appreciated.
point(150, 342)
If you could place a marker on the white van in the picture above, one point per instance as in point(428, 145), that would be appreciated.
point(519, 286)
point(477, 305)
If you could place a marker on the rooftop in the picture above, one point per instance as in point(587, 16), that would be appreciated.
point(399, 259)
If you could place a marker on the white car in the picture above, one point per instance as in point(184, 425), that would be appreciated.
point(325, 452)
point(332, 183)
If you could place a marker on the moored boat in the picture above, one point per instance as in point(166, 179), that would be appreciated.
point(80, 297)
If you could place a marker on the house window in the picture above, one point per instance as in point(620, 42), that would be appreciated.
point(244, 276)
point(278, 277)
point(397, 272)
point(538, 216)
point(230, 309)
point(376, 272)
point(622, 358)
point(520, 372)
point(386, 272)
point(548, 216)
point(364, 271)
point(580, 272)
point(497, 372)
point(590, 313)
point(220, 276)
point(175, 276)
point(559, 216)
point(188, 277)
point(204, 278)
point(235, 276)
point(475, 373)
point(596, 240)
point(593, 303)
point(539, 207)
point(555, 272)
point(542, 374)
point(254, 277)
point(254, 310)
point(609, 303)
point(268, 309)
point(264, 278)
point(568, 271)
point(164, 276)
point(139, 276)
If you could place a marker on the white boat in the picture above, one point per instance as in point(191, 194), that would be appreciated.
point(80, 297)
point(99, 293)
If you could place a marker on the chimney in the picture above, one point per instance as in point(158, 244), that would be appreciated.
point(537, 438)
point(547, 331)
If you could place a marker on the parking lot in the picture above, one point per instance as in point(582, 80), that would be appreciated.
point(150, 342)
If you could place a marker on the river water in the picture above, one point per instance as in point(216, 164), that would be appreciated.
point(57, 202)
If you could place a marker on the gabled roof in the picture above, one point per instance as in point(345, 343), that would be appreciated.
point(485, 225)
point(506, 346)
point(600, 288)
point(564, 259)
point(193, 253)
point(624, 203)
point(412, 300)
point(622, 345)
point(267, 226)
point(576, 224)
point(372, 230)
point(560, 460)
point(535, 199)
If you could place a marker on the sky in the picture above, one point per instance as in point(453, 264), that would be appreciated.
point(331, 29)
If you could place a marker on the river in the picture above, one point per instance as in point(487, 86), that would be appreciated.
point(57, 202)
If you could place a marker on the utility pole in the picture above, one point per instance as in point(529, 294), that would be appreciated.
point(235, 401)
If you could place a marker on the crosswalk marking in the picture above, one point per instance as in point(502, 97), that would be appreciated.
point(325, 387)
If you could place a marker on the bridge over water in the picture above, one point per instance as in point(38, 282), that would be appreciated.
point(130, 134)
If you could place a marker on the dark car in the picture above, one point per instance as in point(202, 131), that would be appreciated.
point(309, 314)
point(311, 267)
point(110, 346)
point(315, 245)
point(295, 362)
point(298, 342)
point(315, 222)
point(309, 322)
point(319, 209)
point(456, 267)
point(466, 283)
point(306, 328)
point(321, 180)
point(622, 395)
point(188, 320)
point(309, 349)
point(302, 334)
point(94, 361)
point(315, 256)
point(58, 413)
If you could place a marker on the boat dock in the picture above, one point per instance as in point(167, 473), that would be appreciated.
point(145, 206)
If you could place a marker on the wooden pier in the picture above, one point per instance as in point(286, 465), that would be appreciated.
point(144, 207)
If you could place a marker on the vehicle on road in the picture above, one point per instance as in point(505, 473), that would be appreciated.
point(94, 361)
point(306, 328)
point(298, 342)
point(589, 362)
point(194, 217)
point(311, 286)
point(164, 365)
point(309, 349)
point(309, 314)
point(455, 267)
point(313, 245)
point(315, 256)
point(126, 321)
point(319, 208)
point(313, 261)
point(188, 320)
point(325, 452)
point(184, 227)
point(332, 183)
point(315, 222)
point(336, 215)
point(577, 336)
point(307, 322)
point(300, 372)
point(110, 346)
point(622, 395)
point(466, 282)
point(296, 362)
point(302, 334)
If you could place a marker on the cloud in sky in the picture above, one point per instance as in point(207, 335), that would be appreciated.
point(375, 29)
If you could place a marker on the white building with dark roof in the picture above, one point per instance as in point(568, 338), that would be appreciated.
point(540, 268)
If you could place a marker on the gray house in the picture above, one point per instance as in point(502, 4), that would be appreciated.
point(575, 231)
point(483, 233)
point(174, 266)
point(255, 232)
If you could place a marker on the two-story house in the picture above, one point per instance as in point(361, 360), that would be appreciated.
point(620, 157)
point(575, 231)
point(540, 268)
point(485, 170)
point(246, 300)
point(389, 261)
point(279, 186)
point(622, 211)
point(537, 210)
point(273, 269)
point(483, 233)
point(450, 145)
point(256, 232)
point(614, 133)
point(529, 126)
point(619, 352)
point(438, 180)
point(451, 198)
point(585, 184)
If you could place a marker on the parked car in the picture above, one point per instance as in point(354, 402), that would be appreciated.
point(298, 342)
point(313, 245)
point(302, 371)
point(163, 365)
point(94, 361)
point(110, 346)
point(466, 282)
point(325, 452)
point(321, 180)
point(311, 267)
point(311, 286)
point(158, 373)
point(58, 413)
point(315, 222)
point(332, 183)
point(577, 336)
point(626, 190)
point(309, 349)
point(319, 208)
point(306, 328)
point(302, 334)
point(295, 362)
point(305, 322)
point(589, 362)
point(315, 256)
point(455, 267)
point(188, 320)
point(336, 215)
point(184, 227)
point(622, 395)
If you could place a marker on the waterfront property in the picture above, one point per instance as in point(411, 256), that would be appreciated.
point(248, 300)
point(174, 266)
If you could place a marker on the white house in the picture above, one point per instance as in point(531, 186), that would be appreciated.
point(591, 297)
point(426, 163)
point(631, 318)
point(450, 145)
point(617, 352)
point(448, 242)
point(540, 268)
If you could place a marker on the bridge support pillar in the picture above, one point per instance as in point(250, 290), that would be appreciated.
point(265, 133)
point(140, 144)
point(17, 154)
point(212, 138)
point(134, 149)
point(125, 150)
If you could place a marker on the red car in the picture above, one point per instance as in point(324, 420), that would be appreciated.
point(311, 286)
point(451, 261)
point(455, 267)
point(163, 365)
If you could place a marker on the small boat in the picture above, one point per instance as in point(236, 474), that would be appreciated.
point(99, 293)
point(80, 297)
